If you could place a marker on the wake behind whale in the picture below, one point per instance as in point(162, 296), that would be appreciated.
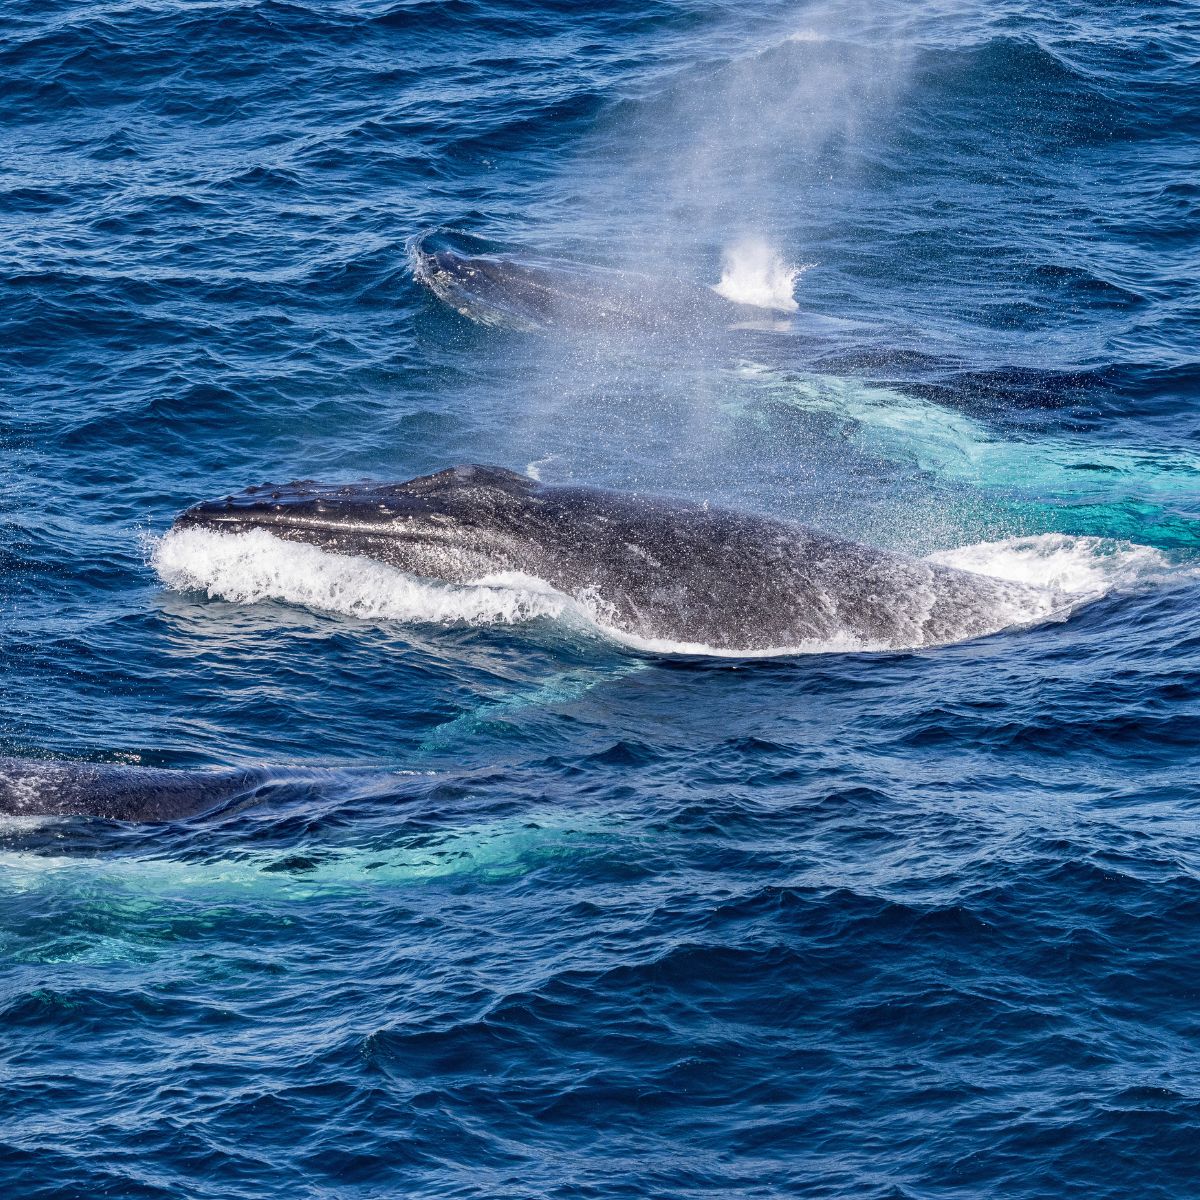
point(654, 570)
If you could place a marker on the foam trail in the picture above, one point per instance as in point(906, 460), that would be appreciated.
point(753, 273)
point(892, 424)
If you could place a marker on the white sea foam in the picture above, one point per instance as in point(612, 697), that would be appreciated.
point(534, 469)
point(841, 645)
point(1076, 566)
point(247, 568)
point(1049, 577)
point(753, 273)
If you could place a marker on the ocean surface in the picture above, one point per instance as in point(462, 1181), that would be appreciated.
point(535, 912)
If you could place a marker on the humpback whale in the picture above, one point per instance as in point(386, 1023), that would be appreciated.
point(652, 568)
point(535, 295)
point(36, 787)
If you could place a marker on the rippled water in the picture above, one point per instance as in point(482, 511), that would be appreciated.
point(532, 913)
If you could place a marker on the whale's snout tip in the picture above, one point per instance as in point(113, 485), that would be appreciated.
point(303, 502)
point(206, 513)
point(233, 508)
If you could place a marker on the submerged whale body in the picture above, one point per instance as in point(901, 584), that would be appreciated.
point(537, 296)
point(649, 567)
point(33, 787)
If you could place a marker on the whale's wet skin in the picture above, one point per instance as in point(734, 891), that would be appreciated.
point(525, 293)
point(656, 568)
point(121, 793)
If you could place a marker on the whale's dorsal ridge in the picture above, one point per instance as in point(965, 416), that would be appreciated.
point(472, 475)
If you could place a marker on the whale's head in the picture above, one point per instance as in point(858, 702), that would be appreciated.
point(467, 515)
point(487, 288)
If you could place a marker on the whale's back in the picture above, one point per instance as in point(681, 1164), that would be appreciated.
point(670, 570)
point(649, 566)
point(112, 791)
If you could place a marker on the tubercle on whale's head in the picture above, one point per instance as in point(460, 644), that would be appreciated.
point(433, 506)
point(302, 502)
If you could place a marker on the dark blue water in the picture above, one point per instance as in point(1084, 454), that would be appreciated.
point(557, 917)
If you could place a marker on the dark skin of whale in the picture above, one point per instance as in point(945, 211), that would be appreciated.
point(36, 787)
point(651, 566)
point(538, 296)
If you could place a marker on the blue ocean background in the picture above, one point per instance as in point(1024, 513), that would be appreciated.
point(542, 915)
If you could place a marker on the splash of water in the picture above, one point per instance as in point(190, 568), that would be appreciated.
point(252, 567)
point(1075, 566)
point(754, 273)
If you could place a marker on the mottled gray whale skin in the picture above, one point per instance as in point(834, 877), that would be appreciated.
point(538, 296)
point(649, 566)
point(36, 787)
